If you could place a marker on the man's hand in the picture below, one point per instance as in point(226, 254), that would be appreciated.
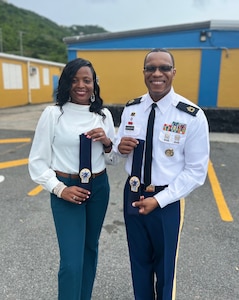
point(127, 145)
point(146, 205)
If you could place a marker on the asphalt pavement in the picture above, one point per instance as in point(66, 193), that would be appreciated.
point(208, 262)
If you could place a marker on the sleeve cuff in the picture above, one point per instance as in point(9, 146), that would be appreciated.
point(51, 184)
point(163, 198)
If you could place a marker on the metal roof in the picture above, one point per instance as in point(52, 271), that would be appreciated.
point(30, 59)
point(211, 25)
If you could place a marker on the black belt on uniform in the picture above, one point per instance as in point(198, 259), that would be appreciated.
point(153, 188)
point(75, 176)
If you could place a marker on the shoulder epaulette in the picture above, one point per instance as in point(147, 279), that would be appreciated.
point(133, 101)
point(192, 110)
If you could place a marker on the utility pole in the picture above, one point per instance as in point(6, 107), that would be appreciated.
point(21, 42)
point(1, 41)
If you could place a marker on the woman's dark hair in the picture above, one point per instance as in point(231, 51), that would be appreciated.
point(65, 82)
point(159, 50)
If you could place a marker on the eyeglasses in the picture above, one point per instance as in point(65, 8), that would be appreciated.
point(162, 68)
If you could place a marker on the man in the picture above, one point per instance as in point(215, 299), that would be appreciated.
point(180, 154)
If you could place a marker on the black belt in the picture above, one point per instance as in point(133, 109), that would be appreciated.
point(153, 188)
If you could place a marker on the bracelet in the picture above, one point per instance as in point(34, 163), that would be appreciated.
point(109, 146)
point(59, 189)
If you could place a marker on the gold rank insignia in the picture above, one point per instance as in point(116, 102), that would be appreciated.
point(134, 101)
point(130, 101)
point(187, 108)
point(191, 109)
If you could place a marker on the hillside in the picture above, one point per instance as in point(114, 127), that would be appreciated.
point(23, 32)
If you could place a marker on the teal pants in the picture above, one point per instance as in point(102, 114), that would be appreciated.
point(78, 230)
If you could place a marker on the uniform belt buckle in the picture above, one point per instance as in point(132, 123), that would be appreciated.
point(150, 188)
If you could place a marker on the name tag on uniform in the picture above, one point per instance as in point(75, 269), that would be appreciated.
point(129, 127)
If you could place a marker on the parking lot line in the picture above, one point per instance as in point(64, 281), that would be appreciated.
point(13, 163)
point(17, 140)
point(35, 191)
point(218, 195)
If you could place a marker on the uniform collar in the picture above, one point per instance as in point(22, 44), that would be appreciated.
point(162, 104)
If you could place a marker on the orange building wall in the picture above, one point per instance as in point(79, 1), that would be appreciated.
point(121, 78)
point(228, 91)
point(13, 97)
point(26, 95)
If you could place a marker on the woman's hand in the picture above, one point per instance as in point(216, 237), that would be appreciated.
point(98, 134)
point(75, 194)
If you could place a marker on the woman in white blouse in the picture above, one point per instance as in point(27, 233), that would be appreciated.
point(78, 209)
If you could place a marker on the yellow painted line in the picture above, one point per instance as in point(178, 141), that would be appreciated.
point(35, 191)
point(217, 191)
point(13, 163)
point(182, 213)
point(18, 140)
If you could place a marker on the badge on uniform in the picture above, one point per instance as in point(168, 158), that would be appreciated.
point(169, 152)
point(134, 183)
point(85, 175)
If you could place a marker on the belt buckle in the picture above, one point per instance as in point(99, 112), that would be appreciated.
point(150, 188)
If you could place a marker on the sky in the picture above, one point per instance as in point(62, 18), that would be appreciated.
point(124, 15)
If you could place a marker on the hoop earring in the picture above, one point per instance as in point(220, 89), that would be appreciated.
point(92, 98)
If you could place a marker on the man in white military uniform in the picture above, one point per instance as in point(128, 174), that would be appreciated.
point(180, 154)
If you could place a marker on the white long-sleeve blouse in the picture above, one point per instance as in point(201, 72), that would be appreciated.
point(56, 142)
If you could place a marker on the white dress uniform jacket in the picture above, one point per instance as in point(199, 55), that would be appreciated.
point(180, 143)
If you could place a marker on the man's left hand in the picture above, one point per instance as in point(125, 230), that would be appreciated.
point(146, 205)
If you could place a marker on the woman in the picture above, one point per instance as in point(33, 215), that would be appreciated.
point(78, 204)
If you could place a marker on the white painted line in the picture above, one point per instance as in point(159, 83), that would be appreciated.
point(2, 178)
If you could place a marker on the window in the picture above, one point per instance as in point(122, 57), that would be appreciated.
point(12, 76)
point(46, 78)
